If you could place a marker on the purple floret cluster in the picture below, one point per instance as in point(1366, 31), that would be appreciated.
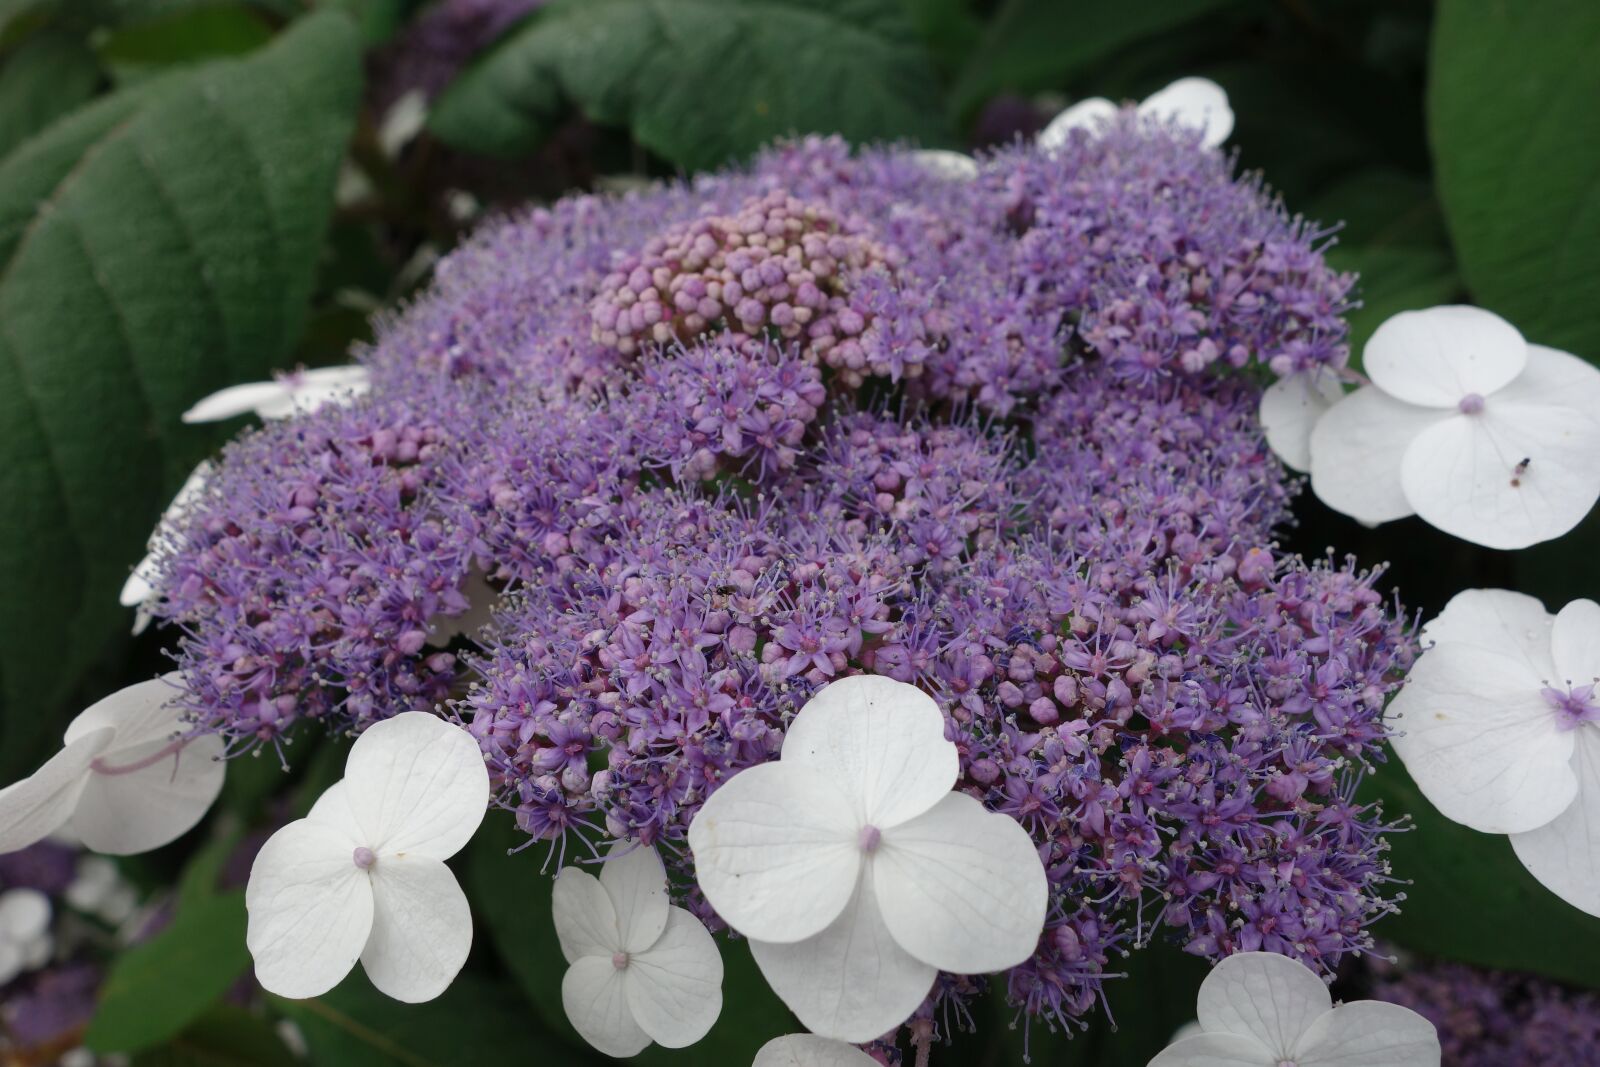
point(1497, 1019)
point(707, 447)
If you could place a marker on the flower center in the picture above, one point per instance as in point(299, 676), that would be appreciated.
point(619, 960)
point(364, 857)
point(1574, 706)
point(869, 839)
point(1470, 404)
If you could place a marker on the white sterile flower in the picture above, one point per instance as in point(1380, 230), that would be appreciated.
point(1260, 1009)
point(138, 590)
point(854, 870)
point(942, 163)
point(642, 969)
point(362, 876)
point(1196, 102)
point(1483, 435)
point(1290, 408)
point(809, 1050)
point(1499, 724)
point(131, 776)
point(24, 932)
point(296, 393)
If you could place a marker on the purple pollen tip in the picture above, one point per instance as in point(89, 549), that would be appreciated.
point(619, 960)
point(1471, 404)
point(869, 839)
point(364, 857)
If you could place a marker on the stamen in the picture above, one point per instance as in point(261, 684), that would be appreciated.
point(99, 766)
point(619, 960)
point(869, 839)
point(364, 857)
point(1470, 404)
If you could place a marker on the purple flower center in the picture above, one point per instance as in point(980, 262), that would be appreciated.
point(869, 839)
point(1573, 706)
point(1470, 404)
point(619, 960)
point(364, 857)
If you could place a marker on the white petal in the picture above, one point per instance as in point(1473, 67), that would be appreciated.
point(586, 921)
point(1199, 103)
point(421, 928)
point(482, 600)
point(1467, 476)
point(1215, 1050)
point(882, 741)
point(962, 887)
point(40, 804)
point(1437, 357)
point(348, 375)
point(333, 807)
point(24, 914)
point(1564, 854)
point(1269, 997)
point(809, 1050)
point(310, 909)
point(1087, 114)
point(1357, 448)
point(776, 852)
point(851, 981)
point(169, 788)
point(951, 166)
point(595, 997)
point(1575, 644)
point(417, 784)
point(137, 589)
point(235, 400)
point(1370, 1033)
point(636, 882)
point(1481, 742)
point(1498, 621)
point(675, 986)
point(1290, 408)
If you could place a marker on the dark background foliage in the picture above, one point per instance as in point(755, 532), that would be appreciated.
point(195, 192)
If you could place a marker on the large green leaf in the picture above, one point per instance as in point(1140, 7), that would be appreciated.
point(154, 246)
point(44, 78)
point(1469, 899)
point(1040, 44)
point(700, 81)
point(1514, 115)
point(512, 896)
point(226, 1036)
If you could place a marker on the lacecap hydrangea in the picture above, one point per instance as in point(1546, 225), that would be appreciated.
point(708, 446)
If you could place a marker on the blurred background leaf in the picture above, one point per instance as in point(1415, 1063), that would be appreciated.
point(1514, 118)
point(701, 82)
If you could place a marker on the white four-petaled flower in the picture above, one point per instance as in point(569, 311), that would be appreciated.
point(809, 1050)
point(24, 932)
point(1260, 1009)
point(1499, 723)
point(855, 871)
point(642, 969)
point(138, 589)
point(362, 876)
point(1483, 435)
point(296, 393)
point(1194, 102)
point(130, 776)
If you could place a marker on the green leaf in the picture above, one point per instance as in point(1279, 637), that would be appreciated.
point(512, 897)
point(159, 987)
point(225, 1036)
point(700, 82)
point(190, 36)
point(1513, 119)
point(1471, 900)
point(476, 1021)
point(47, 76)
point(154, 246)
point(1041, 44)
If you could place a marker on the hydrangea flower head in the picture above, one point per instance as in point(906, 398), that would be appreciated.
point(712, 451)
